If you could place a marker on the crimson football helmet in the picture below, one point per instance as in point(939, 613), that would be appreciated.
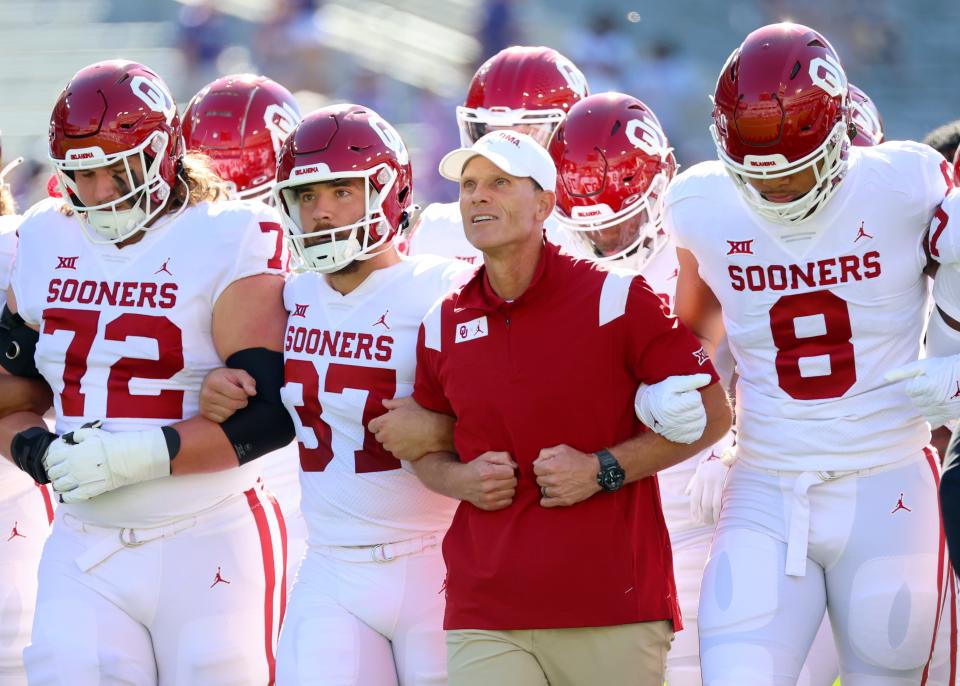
point(112, 112)
point(865, 117)
point(337, 142)
point(781, 107)
point(240, 122)
point(613, 166)
point(529, 89)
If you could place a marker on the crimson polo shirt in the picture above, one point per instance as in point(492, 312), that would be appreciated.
point(558, 365)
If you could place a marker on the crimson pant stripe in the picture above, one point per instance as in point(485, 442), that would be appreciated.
point(283, 540)
point(941, 561)
point(47, 502)
point(266, 548)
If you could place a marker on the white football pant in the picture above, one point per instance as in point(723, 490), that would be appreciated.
point(866, 546)
point(197, 602)
point(353, 621)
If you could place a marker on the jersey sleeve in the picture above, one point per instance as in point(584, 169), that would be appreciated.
point(8, 251)
point(944, 234)
point(658, 344)
point(428, 386)
point(257, 248)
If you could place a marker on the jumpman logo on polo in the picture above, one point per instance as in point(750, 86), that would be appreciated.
point(957, 394)
point(382, 320)
point(479, 330)
point(218, 579)
point(900, 506)
point(14, 533)
point(861, 234)
point(164, 267)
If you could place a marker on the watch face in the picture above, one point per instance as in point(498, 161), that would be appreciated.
point(613, 478)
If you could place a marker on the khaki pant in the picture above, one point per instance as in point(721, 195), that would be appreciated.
point(626, 655)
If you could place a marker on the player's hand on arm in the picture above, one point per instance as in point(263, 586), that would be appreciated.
point(225, 391)
point(674, 407)
point(565, 475)
point(933, 385)
point(410, 431)
point(248, 325)
point(649, 453)
point(488, 482)
point(87, 462)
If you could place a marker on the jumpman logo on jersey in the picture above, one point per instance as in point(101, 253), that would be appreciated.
point(479, 330)
point(713, 456)
point(382, 320)
point(676, 273)
point(900, 506)
point(957, 394)
point(14, 533)
point(861, 234)
point(218, 579)
point(164, 268)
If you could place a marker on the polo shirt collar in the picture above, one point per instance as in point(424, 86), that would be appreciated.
point(478, 294)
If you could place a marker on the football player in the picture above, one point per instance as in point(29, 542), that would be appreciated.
point(165, 563)
point(367, 606)
point(614, 164)
point(527, 89)
point(865, 117)
point(26, 507)
point(239, 122)
point(804, 249)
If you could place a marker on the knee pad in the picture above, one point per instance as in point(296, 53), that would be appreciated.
point(740, 583)
point(892, 610)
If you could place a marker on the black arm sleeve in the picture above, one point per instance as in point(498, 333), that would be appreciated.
point(18, 343)
point(264, 425)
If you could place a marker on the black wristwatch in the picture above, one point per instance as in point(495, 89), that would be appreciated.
point(611, 475)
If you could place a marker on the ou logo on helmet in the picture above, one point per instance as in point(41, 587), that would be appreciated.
point(154, 95)
point(573, 76)
point(280, 120)
point(390, 138)
point(647, 136)
point(827, 73)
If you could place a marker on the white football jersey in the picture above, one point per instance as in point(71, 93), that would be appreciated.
point(817, 313)
point(125, 334)
point(439, 231)
point(344, 354)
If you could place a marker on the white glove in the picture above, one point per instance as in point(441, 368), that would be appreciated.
point(89, 461)
point(705, 489)
point(673, 408)
point(933, 385)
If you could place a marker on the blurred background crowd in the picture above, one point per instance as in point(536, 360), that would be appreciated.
point(411, 60)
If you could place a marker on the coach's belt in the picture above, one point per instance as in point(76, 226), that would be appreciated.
point(382, 552)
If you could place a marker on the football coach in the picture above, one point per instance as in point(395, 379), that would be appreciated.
point(562, 574)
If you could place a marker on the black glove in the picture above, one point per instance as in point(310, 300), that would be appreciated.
point(28, 449)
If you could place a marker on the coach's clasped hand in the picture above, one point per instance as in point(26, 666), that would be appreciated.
point(89, 461)
point(565, 476)
point(673, 408)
